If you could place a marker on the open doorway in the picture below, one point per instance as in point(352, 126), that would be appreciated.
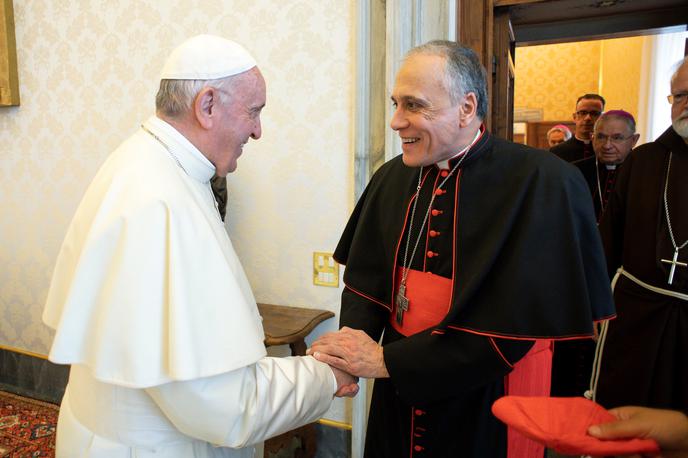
point(518, 23)
point(631, 73)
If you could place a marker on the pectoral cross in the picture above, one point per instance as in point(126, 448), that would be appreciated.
point(673, 263)
point(402, 303)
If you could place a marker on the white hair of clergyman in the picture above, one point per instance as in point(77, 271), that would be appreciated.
point(677, 66)
point(680, 121)
point(463, 71)
point(175, 97)
point(560, 128)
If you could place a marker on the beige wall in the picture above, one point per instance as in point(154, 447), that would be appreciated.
point(552, 77)
point(621, 72)
point(87, 74)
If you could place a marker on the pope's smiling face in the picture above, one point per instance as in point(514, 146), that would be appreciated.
point(425, 117)
point(238, 120)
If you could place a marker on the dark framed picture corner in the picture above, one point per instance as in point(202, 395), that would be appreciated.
point(9, 79)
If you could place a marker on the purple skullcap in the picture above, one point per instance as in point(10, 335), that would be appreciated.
point(561, 127)
point(619, 114)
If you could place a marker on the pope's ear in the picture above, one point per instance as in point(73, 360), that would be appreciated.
point(204, 106)
point(468, 109)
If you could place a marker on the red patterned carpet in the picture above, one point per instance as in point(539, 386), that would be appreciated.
point(27, 427)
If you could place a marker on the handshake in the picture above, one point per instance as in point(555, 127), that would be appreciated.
point(351, 354)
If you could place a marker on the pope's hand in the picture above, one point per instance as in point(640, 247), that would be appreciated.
point(352, 351)
point(347, 384)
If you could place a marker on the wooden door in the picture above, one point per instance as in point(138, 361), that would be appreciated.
point(474, 29)
point(492, 27)
point(503, 73)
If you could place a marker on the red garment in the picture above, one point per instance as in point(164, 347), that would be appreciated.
point(530, 377)
point(562, 424)
point(429, 298)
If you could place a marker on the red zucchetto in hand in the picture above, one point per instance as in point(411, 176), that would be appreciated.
point(562, 423)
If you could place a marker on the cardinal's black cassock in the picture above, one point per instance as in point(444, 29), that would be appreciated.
point(508, 259)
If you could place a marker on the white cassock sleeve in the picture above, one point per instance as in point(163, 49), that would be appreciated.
point(251, 404)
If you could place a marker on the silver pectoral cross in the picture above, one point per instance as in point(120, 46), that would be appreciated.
point(673, 263)
point(402, 303)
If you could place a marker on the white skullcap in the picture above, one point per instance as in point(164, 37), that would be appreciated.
point(207, 57)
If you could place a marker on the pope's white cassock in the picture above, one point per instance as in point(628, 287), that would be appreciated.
point(152, 309)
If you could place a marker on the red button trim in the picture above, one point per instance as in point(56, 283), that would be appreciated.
point(439, 192)
point(432, 254)
point(436, 212)
point(444, 173)
point(434, 233)
point(418, 448)
point(418, 412)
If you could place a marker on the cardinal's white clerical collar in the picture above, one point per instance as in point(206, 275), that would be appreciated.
point(444, 165)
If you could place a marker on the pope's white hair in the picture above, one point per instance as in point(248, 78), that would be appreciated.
point(175, 97)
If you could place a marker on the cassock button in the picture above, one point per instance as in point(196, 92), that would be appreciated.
point(418, 448)
point(444, 173)
point(439, 192)
point(432, 254)
point(436, 212)
point(434, 233)
point(418, 412)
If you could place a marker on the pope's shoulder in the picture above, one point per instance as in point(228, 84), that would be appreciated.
point(141, 156)
point(137, 174)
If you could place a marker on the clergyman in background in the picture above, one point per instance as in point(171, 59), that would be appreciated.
point(219, 187)
point(645, 234)
point(589, 107)
point(558, 134)
point(613, 138)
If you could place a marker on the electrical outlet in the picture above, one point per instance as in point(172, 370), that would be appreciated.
point(325, 269)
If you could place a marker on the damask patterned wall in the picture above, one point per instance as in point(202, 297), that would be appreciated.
point(88, 73)
point(552, 77)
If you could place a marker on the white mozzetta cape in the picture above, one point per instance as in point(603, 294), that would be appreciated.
point(147, 288)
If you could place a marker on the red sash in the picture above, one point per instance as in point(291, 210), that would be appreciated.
point(531, 377)
point(429, 296)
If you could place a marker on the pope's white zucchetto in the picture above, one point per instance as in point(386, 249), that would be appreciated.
point(207, 57)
